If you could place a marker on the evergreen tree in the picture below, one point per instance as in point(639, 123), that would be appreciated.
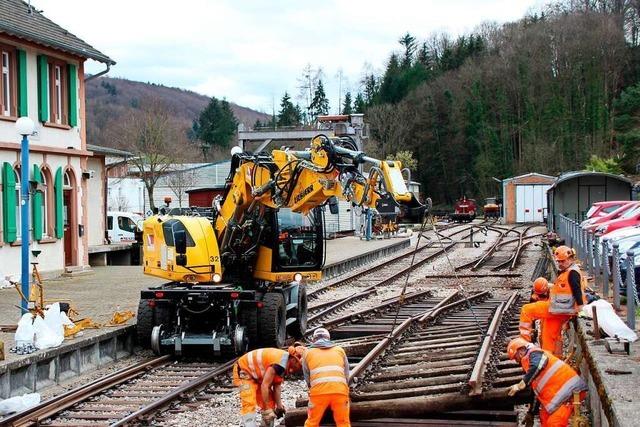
point(359, 105)
point(346, 107)
point(258, 124)
point(627, 127)
point(320, 104)
point(216, 125)
point(289, 114)
point(410, 46)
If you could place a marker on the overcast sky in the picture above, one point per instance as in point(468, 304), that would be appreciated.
point(251, 52)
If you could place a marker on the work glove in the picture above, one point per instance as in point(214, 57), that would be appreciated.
point(268, 417)
point(280, 411)
point(516, 388)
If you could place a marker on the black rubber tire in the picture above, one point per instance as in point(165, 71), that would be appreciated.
point(248, 317)
point(299, 327)
point(272, 321)
point(144, 324)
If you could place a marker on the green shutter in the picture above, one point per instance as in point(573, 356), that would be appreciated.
point(43, 88)
point(37, 205)
point(58, 204)
point(22, 83)
point(73, 95)
point(9, 203)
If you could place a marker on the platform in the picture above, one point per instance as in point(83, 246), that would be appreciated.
point(114, 288)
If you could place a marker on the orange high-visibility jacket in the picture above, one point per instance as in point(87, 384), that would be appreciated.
point(556, 383)
point(326, 367)
point(256, 362)
point(560, 295)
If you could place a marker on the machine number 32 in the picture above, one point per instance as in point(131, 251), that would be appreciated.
point(213, 259)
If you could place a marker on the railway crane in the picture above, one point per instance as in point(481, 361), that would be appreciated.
point(236, 278)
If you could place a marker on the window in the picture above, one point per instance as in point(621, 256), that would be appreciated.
point(8, 78)
point(126, 224)
point(18, 201)
point(67, 181)
point(109, 222)
point(45, 205)
point(57, 91)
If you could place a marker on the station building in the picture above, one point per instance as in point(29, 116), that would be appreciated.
point(42, 77)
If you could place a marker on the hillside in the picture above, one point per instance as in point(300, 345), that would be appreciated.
point(109, 99)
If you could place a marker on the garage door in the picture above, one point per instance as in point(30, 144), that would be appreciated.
point(531, 202)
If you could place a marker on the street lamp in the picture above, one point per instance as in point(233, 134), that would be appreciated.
point(24, 127)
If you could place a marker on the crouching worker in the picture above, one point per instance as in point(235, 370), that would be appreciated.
point(326, 370)
point(259, 375)
point(554, 382)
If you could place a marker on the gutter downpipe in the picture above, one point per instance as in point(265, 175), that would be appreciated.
point(101, 73)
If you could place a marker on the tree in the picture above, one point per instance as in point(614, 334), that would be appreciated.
point(405, 157)
point(289, 115)
point(627, 127)
point(410, 45)
point(216, 125)
point(307, 85)
point(359, 105)
point(346, 107)
point(598, 164)
point(179, 181)
point(155, 139)
point(320, 104)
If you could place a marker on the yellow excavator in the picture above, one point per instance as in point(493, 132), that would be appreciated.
point(236, 277)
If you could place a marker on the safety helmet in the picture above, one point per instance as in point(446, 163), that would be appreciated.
point(541, 286)
point(321, 333)
point(563, 253)
point(296, 351)
point(514, 345)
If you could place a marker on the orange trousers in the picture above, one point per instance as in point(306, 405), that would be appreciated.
point(250, 396)
point(560, 418)
point(339, 404)
point(550, 325)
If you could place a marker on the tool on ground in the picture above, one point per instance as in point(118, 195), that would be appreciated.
point(120, 317)
point(577, 419)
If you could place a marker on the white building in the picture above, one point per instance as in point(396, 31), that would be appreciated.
point(42, 77)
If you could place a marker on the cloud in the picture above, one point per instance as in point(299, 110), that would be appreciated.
point(252, 51)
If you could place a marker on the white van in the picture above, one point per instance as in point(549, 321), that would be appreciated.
point(121, 226)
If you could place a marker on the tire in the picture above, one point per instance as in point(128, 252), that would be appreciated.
point(299, 327)
point(144, 323)
point(272, 321)
point(248, 317)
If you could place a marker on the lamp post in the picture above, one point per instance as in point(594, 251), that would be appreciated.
point(24, 127)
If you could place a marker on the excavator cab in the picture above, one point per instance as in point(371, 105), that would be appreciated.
point(299, 242)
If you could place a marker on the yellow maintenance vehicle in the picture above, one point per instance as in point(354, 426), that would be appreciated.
point(236, 278)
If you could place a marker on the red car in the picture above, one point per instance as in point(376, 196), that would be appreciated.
point(628, 219)
point(593, 223)
point(600, 209)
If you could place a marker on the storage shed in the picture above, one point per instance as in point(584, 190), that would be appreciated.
point(573, 193)
point(524, 197)
point(203, 197)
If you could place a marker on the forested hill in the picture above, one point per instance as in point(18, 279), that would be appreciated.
point(111, 99)
point(543, 94)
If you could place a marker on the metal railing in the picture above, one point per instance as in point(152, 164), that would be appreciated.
point(606, 270)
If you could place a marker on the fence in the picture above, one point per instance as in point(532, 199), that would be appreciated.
point(593, 251)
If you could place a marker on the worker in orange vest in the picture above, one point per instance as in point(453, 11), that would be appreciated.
point(553, 382)
point(326, 370)
point(540, 290)
point(259, 375)
point(565, 301)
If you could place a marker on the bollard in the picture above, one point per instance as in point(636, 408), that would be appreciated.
point(632, 294)
point(596, 261)
point(589, 257)
point(605, 268)
point(617, 278)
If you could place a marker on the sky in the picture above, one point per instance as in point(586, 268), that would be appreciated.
point(252, 51)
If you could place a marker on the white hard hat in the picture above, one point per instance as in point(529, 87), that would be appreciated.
point(321, 333)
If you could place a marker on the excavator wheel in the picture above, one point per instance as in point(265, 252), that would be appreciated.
point(144, 323)
point(299, 327)
point(248, 318)
point(272, 321)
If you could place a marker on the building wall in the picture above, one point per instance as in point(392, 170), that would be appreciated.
point(51, 147)
point(96, 202)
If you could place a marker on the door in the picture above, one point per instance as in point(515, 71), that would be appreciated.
point(531, 202)
point(68, 254)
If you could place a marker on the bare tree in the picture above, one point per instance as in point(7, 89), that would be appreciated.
point(156, 141)
point(179, 182)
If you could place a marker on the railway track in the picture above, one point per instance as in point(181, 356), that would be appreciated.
point(438, 362)
point(127, 396)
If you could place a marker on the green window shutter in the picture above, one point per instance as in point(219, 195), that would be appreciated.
point(73, 95)
point(22, 83)
point(37, 205)
point(58, 204)
point(9, 203)
point(43, 88)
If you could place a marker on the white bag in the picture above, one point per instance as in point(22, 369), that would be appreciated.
point(609, 320)
point(45, 336)
point(19, 403)
point(53, 319)
point(25, 332)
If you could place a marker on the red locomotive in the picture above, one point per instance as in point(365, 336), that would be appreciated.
point(464, 210)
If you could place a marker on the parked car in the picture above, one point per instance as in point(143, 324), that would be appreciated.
point(122, 226)
point(623, 269)
point(622, 234)
point(600, 209)
point(594, 223)
point(628, 219)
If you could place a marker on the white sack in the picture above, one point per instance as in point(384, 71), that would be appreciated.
point(609, 321)
point(25, 331)
point(19, 403)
